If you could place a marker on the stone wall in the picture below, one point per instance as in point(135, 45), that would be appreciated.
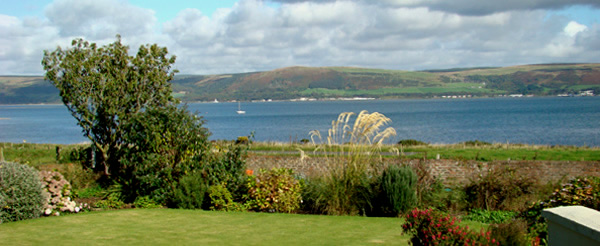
point(448, 171)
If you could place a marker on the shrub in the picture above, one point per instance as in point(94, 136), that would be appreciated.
point(353, 158)
point(225, 165)
point(222, 199)
point(78, 154)
point(314, 195)
point(476, 143)
point(78, 176)
point(584, 191)
point(411, 142)
point(163, 145)
point(428, 187)
point(21, 194)
point(110, 202)
point(397, 190)
point(489, 217)
point(242, 140)
point(510, 233)
point(500, 189)
point(275, 190)
point(189, 192)
point(59, 194)
point(145, 202)
point(430, 227)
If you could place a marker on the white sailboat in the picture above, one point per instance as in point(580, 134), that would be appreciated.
point(240, 111)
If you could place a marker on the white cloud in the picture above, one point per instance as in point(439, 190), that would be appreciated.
point(573, 28)
point(96, 19)
point(253, 35)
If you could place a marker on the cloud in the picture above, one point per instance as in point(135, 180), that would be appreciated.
point(573, 28)
point(469, 7)
point(96, 19)
point(255, 35)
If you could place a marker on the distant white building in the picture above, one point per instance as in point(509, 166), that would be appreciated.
point(586, 93)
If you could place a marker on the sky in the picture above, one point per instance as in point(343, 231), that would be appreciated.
point(235, 36)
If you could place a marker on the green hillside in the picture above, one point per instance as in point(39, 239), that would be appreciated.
point(327, 82)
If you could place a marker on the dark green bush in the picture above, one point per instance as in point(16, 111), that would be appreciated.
point(275, 190)
point(21, 195)
point(397, 193)
point(411, 142)
point(512, 233)
point(189, 192)
point(313, 196)
point(476, 143)
point(226, 165)
point(163, 145)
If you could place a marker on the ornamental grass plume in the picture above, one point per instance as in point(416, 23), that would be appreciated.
point(353, 155)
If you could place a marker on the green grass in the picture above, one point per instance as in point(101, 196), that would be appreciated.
point(197, 227)
point(505, 152)
point(33, 154)
point(460, 152)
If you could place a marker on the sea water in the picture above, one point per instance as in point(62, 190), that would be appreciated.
point(537, 120)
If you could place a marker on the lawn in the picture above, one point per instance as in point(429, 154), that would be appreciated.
point(197, 227)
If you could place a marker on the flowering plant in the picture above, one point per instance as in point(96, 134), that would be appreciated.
point(58, 195)
point(429, 227)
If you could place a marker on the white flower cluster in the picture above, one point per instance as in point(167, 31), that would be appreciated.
point(58, 192)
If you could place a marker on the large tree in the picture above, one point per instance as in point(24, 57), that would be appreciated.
point(105, 87)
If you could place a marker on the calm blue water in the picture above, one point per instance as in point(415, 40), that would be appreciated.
point(551, 120)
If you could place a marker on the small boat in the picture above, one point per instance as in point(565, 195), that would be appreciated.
point(240, 111)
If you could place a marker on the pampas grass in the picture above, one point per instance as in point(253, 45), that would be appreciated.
point(353, 156)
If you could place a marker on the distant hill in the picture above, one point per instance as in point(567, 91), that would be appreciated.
point(335, 82)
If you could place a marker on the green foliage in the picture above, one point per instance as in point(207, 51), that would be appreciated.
point(222, 199)
point(89, 192)
point(397, 192)
point(430, 227)
point(510, 233)
point(489, 217)
point(499, 189)
point(164, 144)
point(104, 87)
point(21, 195)
point(411, 142)
point(78, 176)
point(110, 202)
point(189, 192)
point(145, 202)
point(79, 154)
point(226, 166)
point(275, 190)
point(447, 199)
